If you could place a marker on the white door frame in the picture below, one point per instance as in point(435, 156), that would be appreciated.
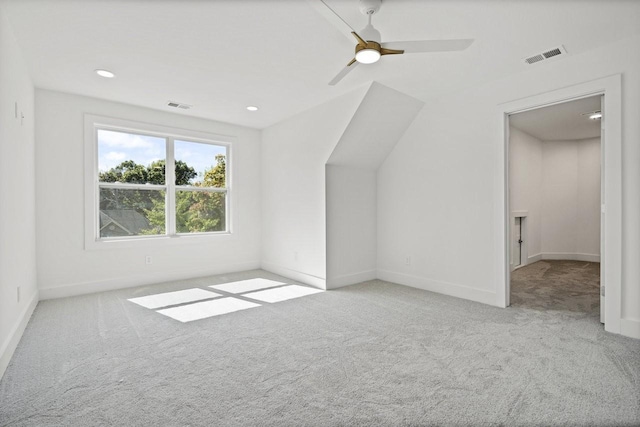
point(611, 243)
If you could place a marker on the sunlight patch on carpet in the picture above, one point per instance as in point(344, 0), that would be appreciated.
point(174, 298)
point(282, 294)
point(202, 310)
point(247, 285)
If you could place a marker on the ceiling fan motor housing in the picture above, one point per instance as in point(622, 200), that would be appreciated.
point(370, 45)
point(369, 7)
point(370, 34)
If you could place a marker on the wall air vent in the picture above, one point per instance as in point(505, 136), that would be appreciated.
point(547, 54)
point(179, 105)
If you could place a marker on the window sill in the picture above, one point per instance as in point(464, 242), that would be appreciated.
point(158, 241)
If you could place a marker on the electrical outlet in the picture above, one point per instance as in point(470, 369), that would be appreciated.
point(295, 255)
point(407, 260)
point(18, 289)
point(148, 260)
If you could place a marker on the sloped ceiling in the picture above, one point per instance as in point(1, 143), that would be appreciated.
point(378, 124)
point(222, 55)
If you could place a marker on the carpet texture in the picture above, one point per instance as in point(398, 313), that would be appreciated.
point(558, 285)
point(369, 354)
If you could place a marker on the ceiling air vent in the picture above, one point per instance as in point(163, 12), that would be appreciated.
point(552, 52)
point(534, 59)
point(179, 105)
point(547, 54)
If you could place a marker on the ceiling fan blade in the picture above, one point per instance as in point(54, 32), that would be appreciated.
point(385, 51)
point(360, 39)
point(418, 46)
point(332, 17)
point(353, 64)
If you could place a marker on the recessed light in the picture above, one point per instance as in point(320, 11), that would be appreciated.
point(105, 73)
point(593, 115)
point(252, 108)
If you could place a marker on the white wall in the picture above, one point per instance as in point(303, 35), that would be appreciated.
point(558, 183)
point(525, 186)
point(66, 268)
point(440, 190)
point(294, 153)
point(375, 128)
point(17, 195)
point(589, 197)
point(351, 225)
point(571, 200)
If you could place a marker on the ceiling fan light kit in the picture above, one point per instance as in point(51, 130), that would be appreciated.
point(368, 54)
point(370, 47)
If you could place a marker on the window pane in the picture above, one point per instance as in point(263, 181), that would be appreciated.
point(200, 165)
point(131, 212)
point(200, 211)
point(132, 158)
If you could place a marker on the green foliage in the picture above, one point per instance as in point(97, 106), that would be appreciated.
point(156, 217)
point(127, 171)
point(199, 211)
point(156, 172)
point(196, 211)
point(131, 172)
point(184, 173)
point(216, 176)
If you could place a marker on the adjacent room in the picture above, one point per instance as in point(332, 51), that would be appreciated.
point(319, 212)
point(555, 191)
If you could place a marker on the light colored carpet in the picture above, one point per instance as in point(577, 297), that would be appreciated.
point(370, 354)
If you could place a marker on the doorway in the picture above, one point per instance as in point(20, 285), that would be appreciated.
point(611, 226)
point(554, 172)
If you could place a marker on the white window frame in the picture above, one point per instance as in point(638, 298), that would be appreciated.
point(93, 123)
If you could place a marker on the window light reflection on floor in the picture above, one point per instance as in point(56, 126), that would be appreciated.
point(247, 285)
point(202, 310)
point(282, 294)
point(194, 304)
point(174, 298)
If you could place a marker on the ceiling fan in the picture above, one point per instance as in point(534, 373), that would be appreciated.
point(370, 48)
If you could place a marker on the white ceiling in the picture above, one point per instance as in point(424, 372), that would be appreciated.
point(560, 122)
point(222, 55)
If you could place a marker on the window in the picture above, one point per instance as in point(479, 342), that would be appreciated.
point(148, 181)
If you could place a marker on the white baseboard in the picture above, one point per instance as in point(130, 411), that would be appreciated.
point(630, 328)
point(307, 279)
point(132, 281)
point(11, 343)
point(459, 291)
point(571, 256)
point(350, 279)
point(534, 258)
point(563, 256)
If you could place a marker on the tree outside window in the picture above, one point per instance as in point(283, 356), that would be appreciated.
point(137, 199)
